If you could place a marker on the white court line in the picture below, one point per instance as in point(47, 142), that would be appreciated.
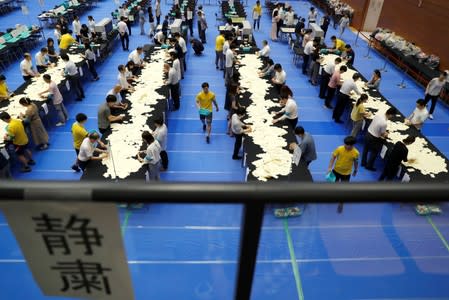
point(274, 261)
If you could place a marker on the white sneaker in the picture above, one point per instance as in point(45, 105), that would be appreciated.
point(430, 117)
point(60, 124)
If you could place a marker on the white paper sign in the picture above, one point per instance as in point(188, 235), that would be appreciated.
point(383, 151)
point(297, 155)
point(67, 85)
point(72, 249)
point(45, 108)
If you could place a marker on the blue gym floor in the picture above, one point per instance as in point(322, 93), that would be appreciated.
point(382, 251)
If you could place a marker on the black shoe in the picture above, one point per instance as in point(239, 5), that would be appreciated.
point(76, 168)
point(339, 121)
point(372, 169)
point(25, 169)
point(79, 99)
point(236, 157)
point(204, 127)
point(31, 162)
point(208, 139)
point(216, 67)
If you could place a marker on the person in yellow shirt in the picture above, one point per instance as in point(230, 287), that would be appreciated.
point(204, 101)
point(257, 13)
point(17, 135)
point(358, 115)
point(79, 133)
point(219, 56)
point(4, 91)
point(338, 45)
point(66, 40)
point(343, 159)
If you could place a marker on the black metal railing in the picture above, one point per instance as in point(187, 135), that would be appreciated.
point(254, 197)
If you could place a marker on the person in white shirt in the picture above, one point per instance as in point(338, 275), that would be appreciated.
point(115, 91)
point(229, 64)
point(71, 73)
point(312, 15)
point(26, 68)
point(90, 56)
point(91, 24)
point(151, 157)
point(289, 111)
point(189, 19)
point(76, 28)
point(176, 64)
point(158, 12)
point(265, 52)
point(377, 132)
point(344, 23)
point(160, 134)
point(159, 38)
point(136, 57)
point(326, 75)
point(433, 90)
point(141, 20)
point(308, 50)
point(344, 97)
point(290, 17)
point(279, 77)
point(419, 115)
point(238, 129)
point(173, 85)
point(42, 61)
point(56, 97)
point(87, 149)
point(121, 79)
point(123, 31)
point(182, 44)
point(57, 33)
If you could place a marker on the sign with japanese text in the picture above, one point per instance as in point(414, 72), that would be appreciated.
point(73, 249)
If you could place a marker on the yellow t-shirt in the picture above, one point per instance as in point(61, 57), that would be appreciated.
point(219, 42)
point(357, 112)
point(66, 41)
point(78, 133)
point(205, 100)
point(345, 160)
point(257, 9)
point(17, 132)
point(3, 90)
point(340, 45)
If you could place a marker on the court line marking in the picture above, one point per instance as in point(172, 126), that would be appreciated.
point(294, 262)
point(273, 261)
point(438, 232)
point(125, 221)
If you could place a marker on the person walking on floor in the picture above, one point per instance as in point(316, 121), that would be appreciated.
point(15, 133)
point(344, 161)
point(374, 138)
point(141, 20)
point(325, 22)
point(151, 158)
point(71, 73)
point(172, 83)
point(203, 27)
point(79, 133)
point(158, 12)
point(395, 157)
point(309, 48)
point(151, 21)
point(274, 26)
point(160, 134)
point(189, 20)
point(257, 13)
point(344, 23)
point(55, 96)
point(31, 117)
point(219, 57)
point(334, 83)
point(358, 115)
point(344, 97)
point(238, 129)
point(123, 31)
point(326, 74)
point(204, 100)
point(433, 90)
point(91, 58)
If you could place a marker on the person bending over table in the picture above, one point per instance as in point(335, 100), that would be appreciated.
point(79, 133)
point(151, 157)
point(204, 100)
point(279, 77)
point(160, 134)
point(71, 73)
point(268, 70)
point(395, 157)
point(42, 60)
point(66, 41)
point(17, 136)
point(173, 84)
point(289, 112)
point(5, 94)
point(326, 74)
point(306, 144)
point(31, 117)
point(419, 115)
point(115, 91)
point(265, 52)
point(56, 98)
point(348, 55)
point(338, 46)
point(374, 138)
point(105, 118)
point(26, 68)
point(358, 115)
point(344, 97)
point(122, 80)
point(374, 82)
point(334, 83)
point(88, 148)
point(238, 129)
point(136, 57)
point(344, 161)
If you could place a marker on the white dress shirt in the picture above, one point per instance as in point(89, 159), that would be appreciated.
point(118, 96)
point(86, 150)
point(172, 77)
point(434, 87)
point(121, 80)
point(26, 67)
point(153, 153)
point(225, 47)
point(378, 126)
point(41, 59)
point(70, 68)
point(236, 124)
point(418, 116)
point(76, 27)
point(54, 91)
point(122, 27)
point(229, 58)
point(289, 18)
point(290, 110)
point(182, 44)
point(329, 68)
point(177, 67)
point(134, 56)
point(91, 25)
point(265, 52)
point(280, 77)
point(348, 86)
point(309, 48)
point(160, 134)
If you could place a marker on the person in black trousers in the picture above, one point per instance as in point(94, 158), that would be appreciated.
point(238, 129)
point(325, 25)
point(393, 159)
point(173, 85)
point(328, 71)
point(344, 97)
